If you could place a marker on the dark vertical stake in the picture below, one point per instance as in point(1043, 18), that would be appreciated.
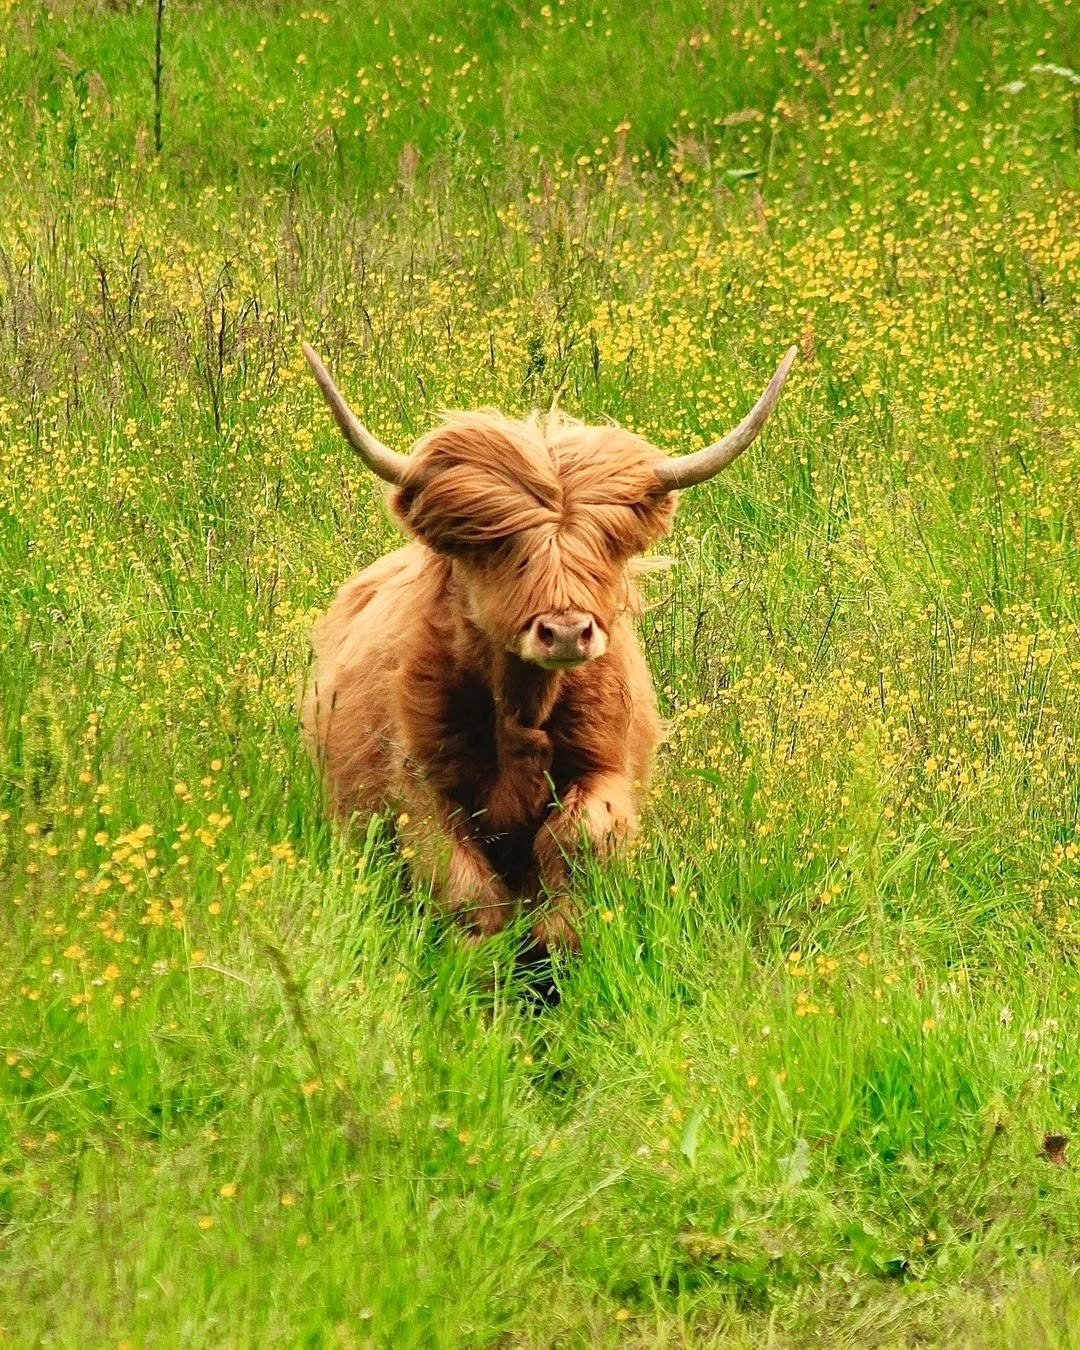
point(157, 77)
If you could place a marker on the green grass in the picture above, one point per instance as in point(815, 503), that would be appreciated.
point(797, 1086)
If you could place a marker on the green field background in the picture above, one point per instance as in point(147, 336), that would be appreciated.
point(808, 1080)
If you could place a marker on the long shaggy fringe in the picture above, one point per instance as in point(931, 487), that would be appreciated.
point(558, 507)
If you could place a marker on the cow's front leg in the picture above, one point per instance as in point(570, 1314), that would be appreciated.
point(462, 880)
point(594, 816)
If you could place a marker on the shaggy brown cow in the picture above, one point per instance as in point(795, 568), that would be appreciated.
point(485, 682)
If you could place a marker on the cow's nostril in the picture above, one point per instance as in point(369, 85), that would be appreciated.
point(546, 634)
point(585, 636)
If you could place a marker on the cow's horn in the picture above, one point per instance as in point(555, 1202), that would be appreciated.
point(380, 459)
point(690, 470)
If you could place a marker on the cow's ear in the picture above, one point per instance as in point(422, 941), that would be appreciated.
point(409, 502)
point(669, 504)
point(401, 503)
point(657, 513)
point(404, 504)
point(422, 515)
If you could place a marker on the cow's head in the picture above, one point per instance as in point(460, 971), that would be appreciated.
point(541, 518)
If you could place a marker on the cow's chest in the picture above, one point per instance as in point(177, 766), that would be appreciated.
point(504, 778)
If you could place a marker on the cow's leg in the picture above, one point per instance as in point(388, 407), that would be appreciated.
point(437, 750)
point(462, 880)
point(595, 815)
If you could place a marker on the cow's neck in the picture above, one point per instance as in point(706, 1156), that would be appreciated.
point(524, 693)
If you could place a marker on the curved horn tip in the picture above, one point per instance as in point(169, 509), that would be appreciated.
point(783, 370)
point(690, 470)
point(315, 362)
point(388, 464)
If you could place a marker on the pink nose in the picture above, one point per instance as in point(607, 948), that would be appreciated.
point(568, 636)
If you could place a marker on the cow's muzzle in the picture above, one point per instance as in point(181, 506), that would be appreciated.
point(559, 641)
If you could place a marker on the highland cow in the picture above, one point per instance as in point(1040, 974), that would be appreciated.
point(484, 684)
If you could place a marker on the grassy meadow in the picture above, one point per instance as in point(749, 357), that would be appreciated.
point(809, 1080)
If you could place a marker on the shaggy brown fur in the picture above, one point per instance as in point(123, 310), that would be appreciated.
point(422, 705)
